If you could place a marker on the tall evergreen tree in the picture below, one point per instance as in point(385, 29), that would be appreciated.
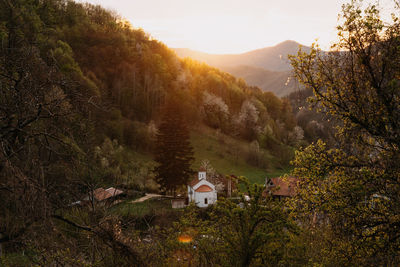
point(174, 153)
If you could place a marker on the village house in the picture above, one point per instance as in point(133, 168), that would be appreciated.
point(101, 195)
point(201, 191)
point(281, 188)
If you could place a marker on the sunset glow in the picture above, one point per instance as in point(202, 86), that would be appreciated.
point(232, 26)
point(185, 238)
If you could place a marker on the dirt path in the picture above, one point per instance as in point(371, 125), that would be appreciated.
point(146, 197)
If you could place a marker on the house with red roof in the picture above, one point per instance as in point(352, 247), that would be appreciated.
point(201, 191)
point(101, 195)
point(281, 188)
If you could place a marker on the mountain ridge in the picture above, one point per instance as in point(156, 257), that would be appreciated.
point(273, 58)
point(268, 68)
point(281, 83)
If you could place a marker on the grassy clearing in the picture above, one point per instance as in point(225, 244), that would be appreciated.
point(228, 155)
point(152, 212)
point(142, 209)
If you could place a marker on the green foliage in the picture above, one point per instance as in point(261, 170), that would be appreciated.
point(315, 125)
point(145, 209)
point(255, 231)
point(248, 232)
point(63, 55)
point(229, 155)
point(80, 92)
point(119, 166)
point(351, 190)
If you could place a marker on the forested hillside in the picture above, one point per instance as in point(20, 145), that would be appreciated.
point(94, 114)
point(80, 105)
point(133, 75)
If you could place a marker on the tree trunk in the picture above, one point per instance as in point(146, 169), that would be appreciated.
point(1, 246)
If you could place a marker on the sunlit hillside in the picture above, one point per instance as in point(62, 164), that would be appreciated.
point(268, 68)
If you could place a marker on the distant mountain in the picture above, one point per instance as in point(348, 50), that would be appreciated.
point(281, 83)
point(271, 58)
point(268, 68)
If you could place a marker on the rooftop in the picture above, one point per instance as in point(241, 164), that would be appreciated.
point(204, 188)
point(286, 186)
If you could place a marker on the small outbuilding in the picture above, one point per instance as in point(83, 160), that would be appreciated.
point(101, 195)
point(179, 202)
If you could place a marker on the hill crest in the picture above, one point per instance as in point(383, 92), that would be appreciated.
point(268, 68)
point(273, 58)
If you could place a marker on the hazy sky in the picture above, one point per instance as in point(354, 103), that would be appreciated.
point(231, 26)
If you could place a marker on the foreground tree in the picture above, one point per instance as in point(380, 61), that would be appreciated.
point(249, 231)
point(43, 139)
point(353, 189)
point(34, 112)
point(173, 151)
point(253, 233)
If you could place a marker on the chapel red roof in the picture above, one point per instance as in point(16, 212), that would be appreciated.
point(204, 188)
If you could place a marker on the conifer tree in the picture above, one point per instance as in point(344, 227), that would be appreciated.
point(174, 153)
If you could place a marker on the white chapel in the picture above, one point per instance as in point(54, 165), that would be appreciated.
point(201, 191)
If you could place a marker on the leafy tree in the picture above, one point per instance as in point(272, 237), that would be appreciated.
point(216, 112)
point(43, 140)
point(173, 151)
point(316, 125)
point(296, 135)
point(34, 139)
point(353, 188)
point(248, 121)
point(254, 232)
